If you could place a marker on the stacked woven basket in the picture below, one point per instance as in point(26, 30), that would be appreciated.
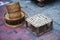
point(15, 16)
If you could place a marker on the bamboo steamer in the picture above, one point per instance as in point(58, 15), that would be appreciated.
point(13, 7)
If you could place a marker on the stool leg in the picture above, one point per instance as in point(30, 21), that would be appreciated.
point(45, 28)
point(37, 30)
point(26, 24)
point(51, 25)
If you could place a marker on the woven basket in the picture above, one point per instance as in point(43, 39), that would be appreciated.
point(14, 22)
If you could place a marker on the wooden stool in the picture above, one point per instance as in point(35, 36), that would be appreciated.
point(39, 24)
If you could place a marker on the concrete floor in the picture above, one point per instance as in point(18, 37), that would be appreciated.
point(52, 10)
